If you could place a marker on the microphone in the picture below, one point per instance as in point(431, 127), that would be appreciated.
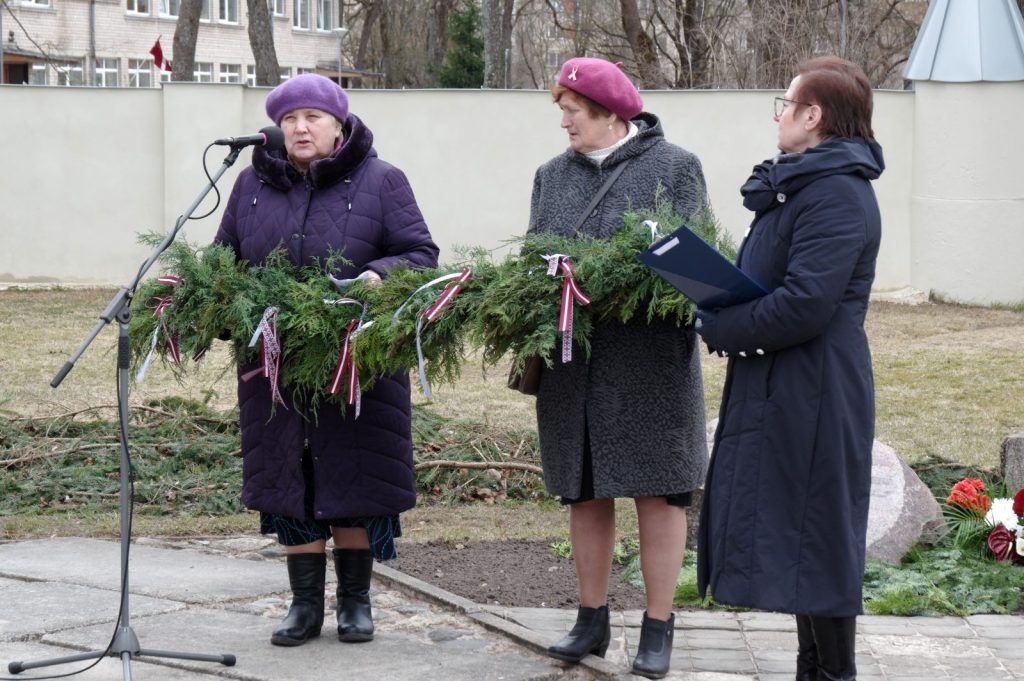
point(271, 137)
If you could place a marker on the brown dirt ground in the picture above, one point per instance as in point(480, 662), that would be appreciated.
point(513, 573)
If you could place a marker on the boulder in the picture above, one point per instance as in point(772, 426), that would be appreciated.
point(903, 509)
point(1011, 459)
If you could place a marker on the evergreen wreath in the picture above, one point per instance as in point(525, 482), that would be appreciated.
point(506, 308)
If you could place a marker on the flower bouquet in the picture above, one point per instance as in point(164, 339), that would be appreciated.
point(978, 520)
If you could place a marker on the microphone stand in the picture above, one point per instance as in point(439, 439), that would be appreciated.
point(125, 644)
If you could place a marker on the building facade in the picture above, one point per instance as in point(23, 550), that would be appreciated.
point(124, 43)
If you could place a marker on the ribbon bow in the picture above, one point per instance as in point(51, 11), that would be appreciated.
point(570, 292)
point(270, 353)
point(160, 306)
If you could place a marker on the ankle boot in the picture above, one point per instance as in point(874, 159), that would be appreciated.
point(654, 651)
point(835, 638)
point(354, 568)
point(807, 652)
point(306, 574)
point(589, 636)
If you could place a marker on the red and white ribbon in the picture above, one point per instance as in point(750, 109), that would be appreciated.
point(347, 359)
point(347, 365)
point(570, 293)
point(450, 291)
point(270, 353)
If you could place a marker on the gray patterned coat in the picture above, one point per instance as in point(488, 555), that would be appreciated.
point(640, 397)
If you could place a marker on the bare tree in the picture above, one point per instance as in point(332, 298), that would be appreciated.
point(186, 32)
point(261, 39)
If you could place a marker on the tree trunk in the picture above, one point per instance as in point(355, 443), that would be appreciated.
point(261, 39)
point(642, 45)
point(186, 31)
point(437, 30)
point(496, 18)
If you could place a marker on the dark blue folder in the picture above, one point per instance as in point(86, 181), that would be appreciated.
point(699, 272)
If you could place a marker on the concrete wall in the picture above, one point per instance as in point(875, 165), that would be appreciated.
point(87, 170)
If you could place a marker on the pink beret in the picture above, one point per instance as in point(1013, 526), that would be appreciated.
point(603, 82)
point(307, 91)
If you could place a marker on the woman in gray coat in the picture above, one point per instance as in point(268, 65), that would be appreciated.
point(629, 420)
point(785, 507)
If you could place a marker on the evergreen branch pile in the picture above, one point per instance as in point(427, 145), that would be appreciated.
point(507, 308)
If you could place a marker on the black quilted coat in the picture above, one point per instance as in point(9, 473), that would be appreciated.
point(358, 204)
point(640, 396)
point(785, 507)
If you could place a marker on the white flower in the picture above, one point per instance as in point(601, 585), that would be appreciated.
point(1002, 512)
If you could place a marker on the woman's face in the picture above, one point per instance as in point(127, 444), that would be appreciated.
point(586, 133)
point(799, 122)
point(309, 134)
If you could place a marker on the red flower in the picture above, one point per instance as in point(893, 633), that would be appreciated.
point(1018, 504)
point(1000, 541)
point(969, 494)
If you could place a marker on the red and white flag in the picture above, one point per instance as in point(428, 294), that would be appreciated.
point(158, 56)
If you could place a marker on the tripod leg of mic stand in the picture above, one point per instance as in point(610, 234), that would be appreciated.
point(125, 643)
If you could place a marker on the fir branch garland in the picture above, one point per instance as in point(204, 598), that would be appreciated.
point(505, 309)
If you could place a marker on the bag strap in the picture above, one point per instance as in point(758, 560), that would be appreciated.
point(600, 194)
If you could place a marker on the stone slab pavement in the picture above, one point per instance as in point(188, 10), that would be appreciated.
point(60, 597)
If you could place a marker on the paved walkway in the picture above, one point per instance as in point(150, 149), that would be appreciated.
point(60, 597)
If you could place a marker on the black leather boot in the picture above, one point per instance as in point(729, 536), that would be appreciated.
point(589, 636)
point(354, 568)
point(654, 652)
point(306, 574)
point(807, 652)
point(835, 638)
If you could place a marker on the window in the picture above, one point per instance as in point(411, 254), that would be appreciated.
point(203, 72)
point(286, 73)
point(230, 73)
point(325, 15)
point(229, 11)
point(277, 8)
point(38, 75)
point(140, 73)
point(36, 3)
point(204, 13)
point(137, 6)
point(250, 75)
point(71, 74)
point(300, 14)
point(170, 8)
point(108, 72)
point(554, 59)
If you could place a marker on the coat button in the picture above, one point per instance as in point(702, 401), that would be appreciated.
point(743, 353)
point(759, 351)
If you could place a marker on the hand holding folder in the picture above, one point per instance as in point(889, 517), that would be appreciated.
point(699, 272)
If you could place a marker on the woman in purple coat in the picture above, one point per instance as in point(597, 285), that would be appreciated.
point(318, 474)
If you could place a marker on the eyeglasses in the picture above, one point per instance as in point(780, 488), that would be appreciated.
point(781, 104)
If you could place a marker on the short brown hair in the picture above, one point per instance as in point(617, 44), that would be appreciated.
point(593, 108)
point(843, 92)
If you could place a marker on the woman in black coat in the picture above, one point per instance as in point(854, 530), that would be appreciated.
point(785, 506)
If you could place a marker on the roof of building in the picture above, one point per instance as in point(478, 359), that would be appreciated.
point(964, 41)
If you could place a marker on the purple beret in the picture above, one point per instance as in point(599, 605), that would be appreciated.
point(604, 83)
point(307, 91)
